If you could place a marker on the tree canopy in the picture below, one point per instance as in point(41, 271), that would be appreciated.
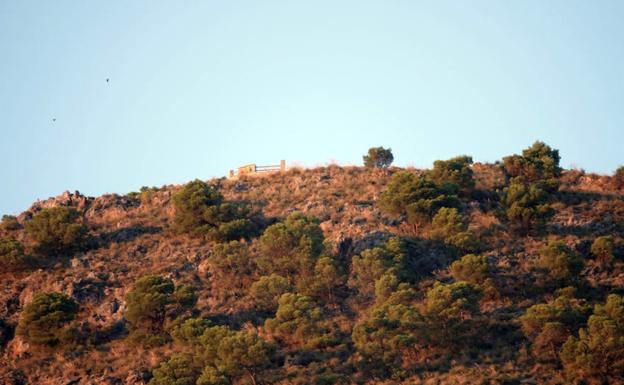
point(201, 210)
point(292, 247)
point(378, 157)
point(454, 173)
point(12, 257)
point(56, 231)
point(154, 300)
point(416, 197)
point(44, 319)
point(538, 163)
point(598, 351)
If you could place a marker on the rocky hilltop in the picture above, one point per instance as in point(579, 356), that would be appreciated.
point(375, 321)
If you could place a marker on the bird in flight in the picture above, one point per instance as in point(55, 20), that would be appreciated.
point(107, 80)
point(54, 119)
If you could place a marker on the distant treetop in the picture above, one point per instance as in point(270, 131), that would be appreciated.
point(538, 163)
point(378, 157)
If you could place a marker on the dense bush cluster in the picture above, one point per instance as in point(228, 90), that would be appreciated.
point(12, 256)
point(548, 325)
point(560, 261)
point(598, 351)
point(10, 223)
point(46, 320)
point(455, 172)
point(267, 290)
point(532, 178)
point(437, 199)
point(57, 231)
point(291, 248)
point(153, 303)
point(603, 248)
point(537, 164)
point(417, 198)
point(294, 249)
point(201, 210)
point(214, 355)
point(231, 267)
point(527, 206)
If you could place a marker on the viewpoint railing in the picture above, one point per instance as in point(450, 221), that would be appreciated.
point(252, 169)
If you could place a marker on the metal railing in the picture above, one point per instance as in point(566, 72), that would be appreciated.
point(252, 169)
point(268, 168)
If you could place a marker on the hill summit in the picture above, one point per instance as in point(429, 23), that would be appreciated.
point(466, 273)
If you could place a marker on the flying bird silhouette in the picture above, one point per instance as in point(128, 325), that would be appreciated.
point(107, 80)
point(54, 119)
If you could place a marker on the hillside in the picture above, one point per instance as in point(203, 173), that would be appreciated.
point(364, 287)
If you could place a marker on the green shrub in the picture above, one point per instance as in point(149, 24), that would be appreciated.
point(416, 198)
point(537, 164)
point(403, 258)
point(367, 268)
point(243, 354)
point(178, 370)
point(185, 296)
point(448, 307)
point(471, 268)
point(207, 346)
point(378, 157)
point(453, 300)
point(10, 223)
point(234, 229)
point(147, 303)
point(391, 258)
point(221, 355)
point(231, 258)
point(212, 376)
point(466, 241)
point(612, 309)
point(201, 210)
point(297, 320)
point(267, 290)
point(526, 206)
point(389, 336)
point(602, 248)
point(531, 177)
point(548, 325)
point(550, 339)
point(560, 261)
point(325, 281)
point(598, 352)
point(188, 332)
point(153, 301)
point(12, 257)
point(456, 171)
point(448, 222)
point(450, 226)
point(385, 286)
point(57, 231)
point(196, 206)
point(291, 248)
point(231, 269)
point(44, 319)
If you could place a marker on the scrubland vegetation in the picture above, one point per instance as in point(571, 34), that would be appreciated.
point(467, 273)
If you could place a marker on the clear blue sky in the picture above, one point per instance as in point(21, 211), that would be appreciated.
point(199, 87)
